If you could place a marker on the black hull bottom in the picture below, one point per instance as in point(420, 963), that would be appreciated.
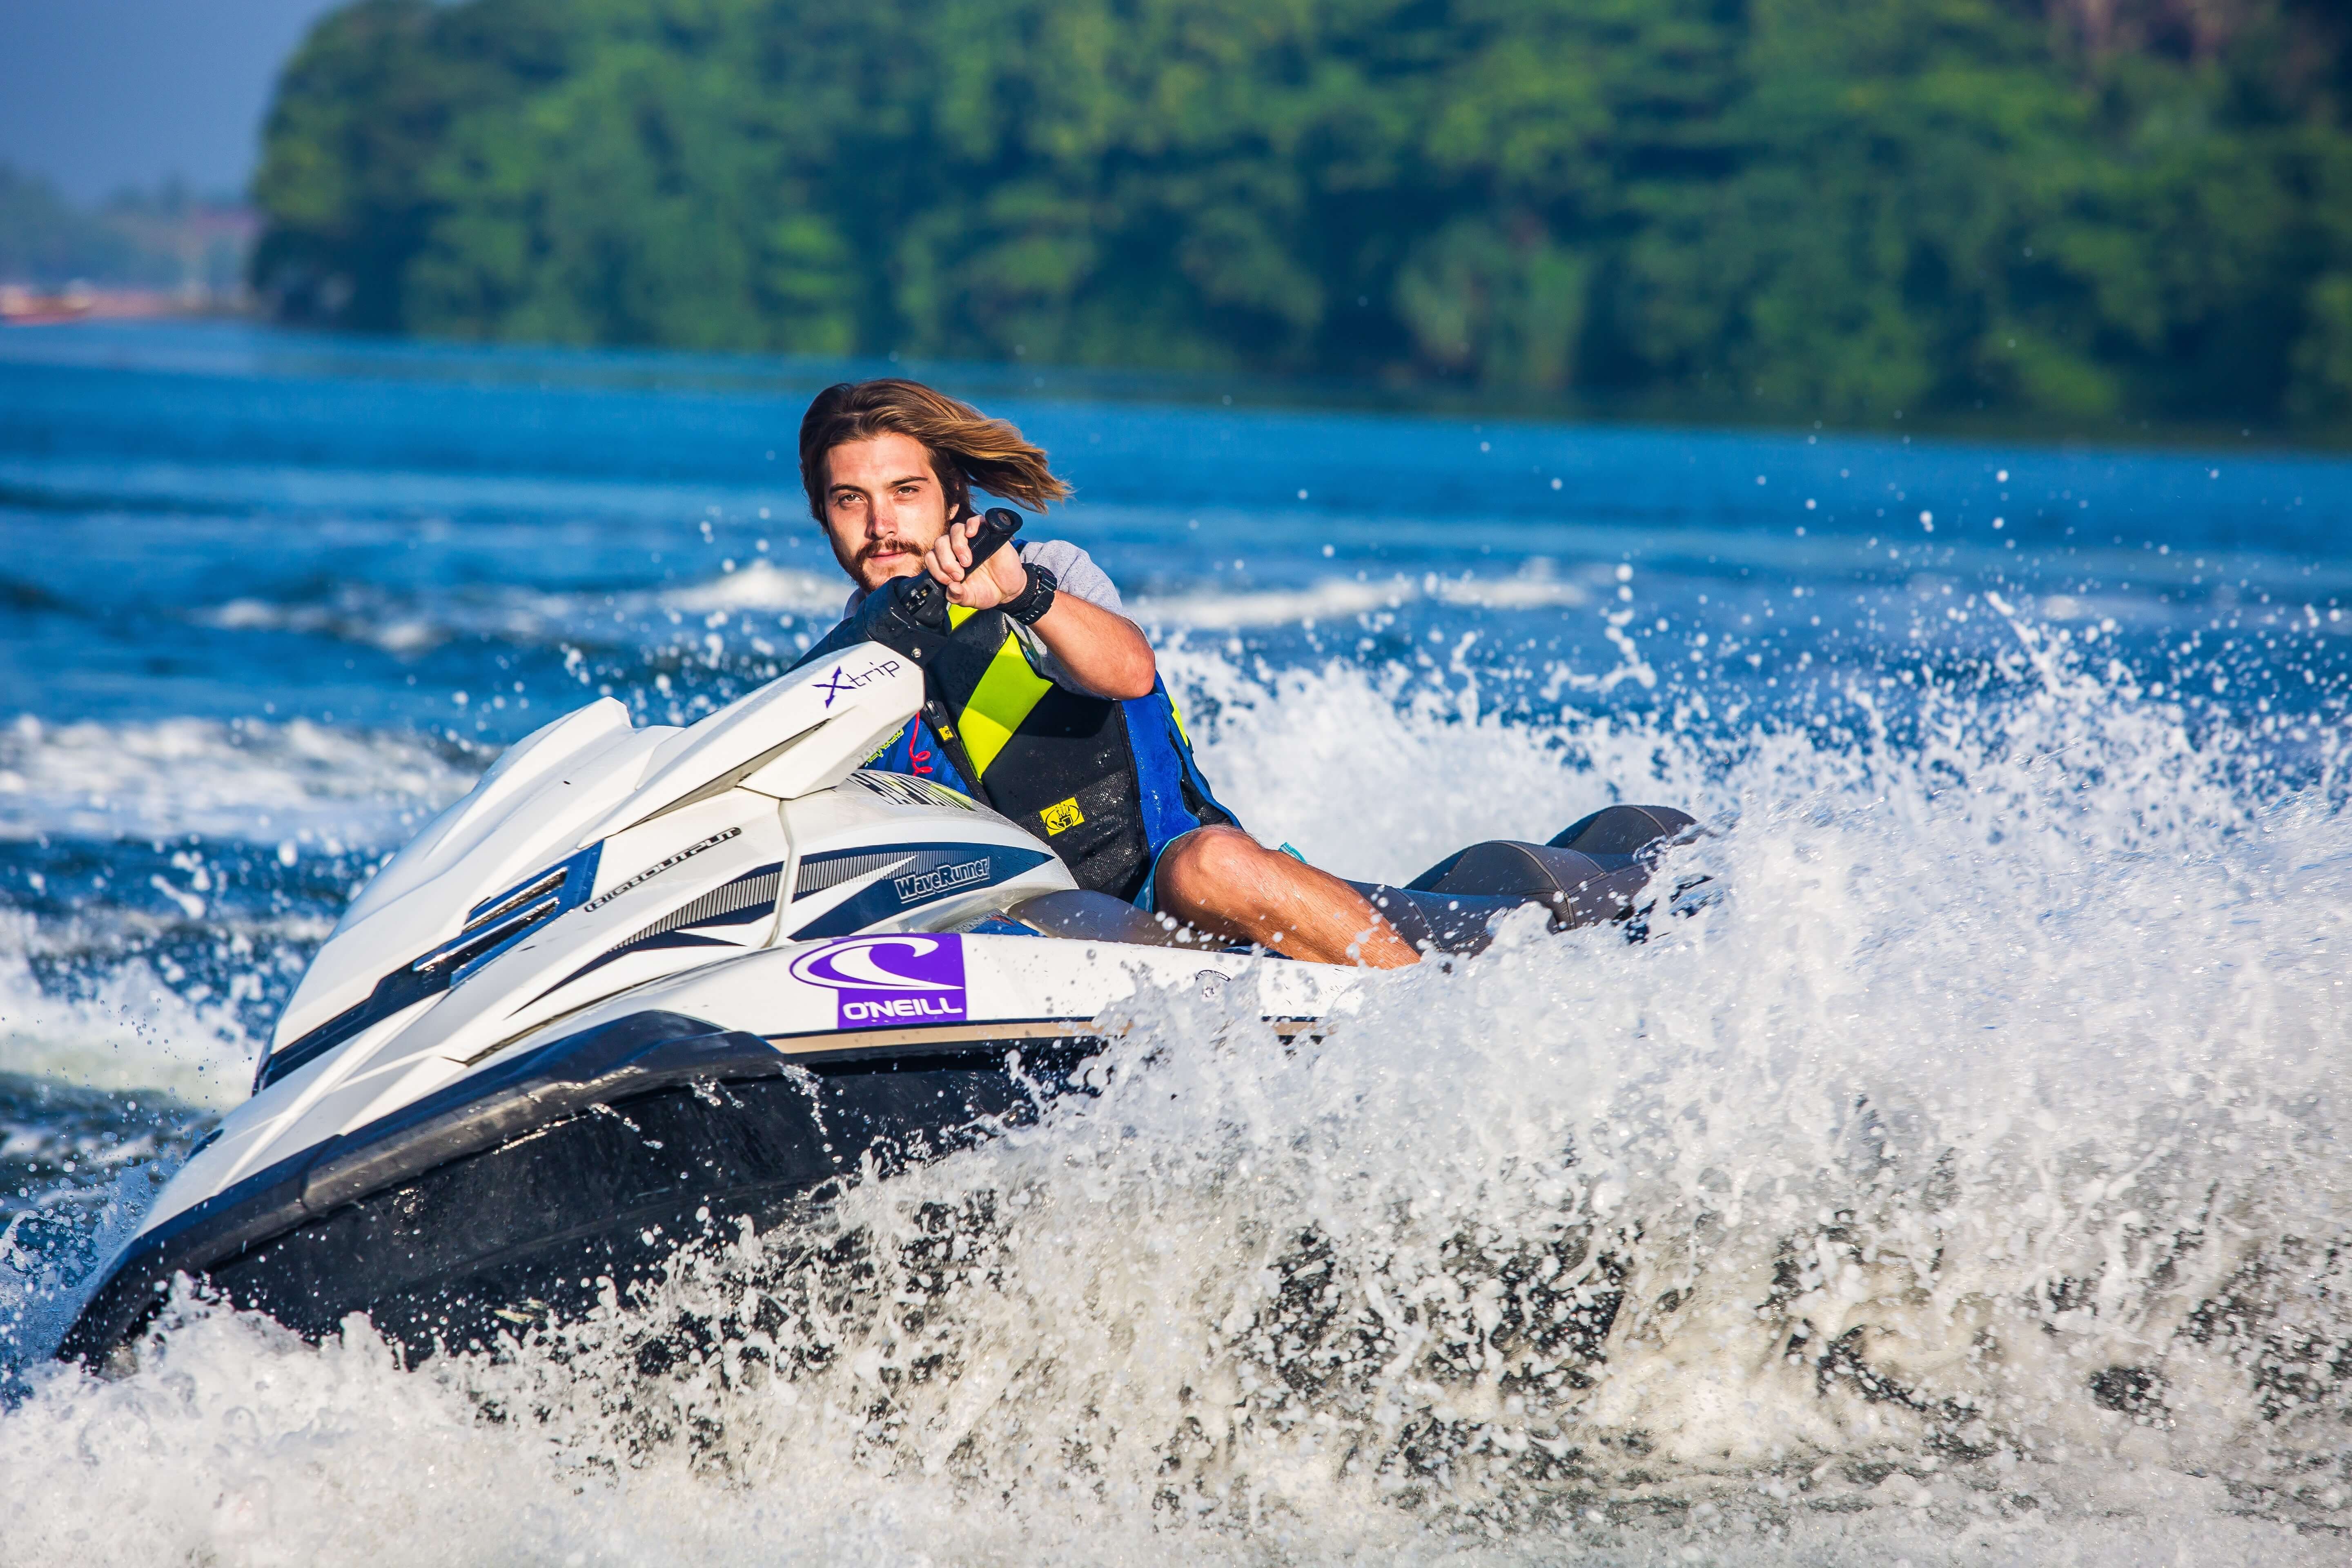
point(523, 1234)
point(461, 1244)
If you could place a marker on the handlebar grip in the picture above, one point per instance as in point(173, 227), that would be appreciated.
point(997, 529)
point(918, 601)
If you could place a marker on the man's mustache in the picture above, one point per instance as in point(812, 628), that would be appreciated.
point(880, 546)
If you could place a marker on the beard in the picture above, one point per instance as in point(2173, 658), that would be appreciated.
point(877, 561)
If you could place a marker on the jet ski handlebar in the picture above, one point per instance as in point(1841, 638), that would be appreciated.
point(997, 526)
point(919, 601)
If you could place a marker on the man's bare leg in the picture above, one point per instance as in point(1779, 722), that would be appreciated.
point(1222, 881)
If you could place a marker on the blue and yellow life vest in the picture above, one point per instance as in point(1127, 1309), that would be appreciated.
point(1106, 784)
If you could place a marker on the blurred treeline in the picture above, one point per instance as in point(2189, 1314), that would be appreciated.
point(165, 238)
point(2081, 209)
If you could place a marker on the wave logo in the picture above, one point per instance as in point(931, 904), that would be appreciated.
point(904, 978)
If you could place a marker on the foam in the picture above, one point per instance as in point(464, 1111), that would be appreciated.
point(1342, 598)
point(124, 1028)
point(396, 625)
point(1919, 1159)
point(297, 782)
point(407, 624)
point(757, 586)
point(257, 1449)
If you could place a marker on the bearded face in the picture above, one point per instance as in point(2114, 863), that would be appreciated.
point(884, 506)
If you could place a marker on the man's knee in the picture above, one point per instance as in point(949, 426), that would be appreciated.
point(1208, 859)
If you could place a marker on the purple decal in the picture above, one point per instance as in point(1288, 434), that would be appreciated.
point(841, 681)
point(909, 978)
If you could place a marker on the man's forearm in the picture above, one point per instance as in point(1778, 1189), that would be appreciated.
point(1106, 653)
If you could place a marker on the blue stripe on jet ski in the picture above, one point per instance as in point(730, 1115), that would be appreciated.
point(579, 874)
point(750, 896)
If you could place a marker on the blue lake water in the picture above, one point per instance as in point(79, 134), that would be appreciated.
point(1978, 1163)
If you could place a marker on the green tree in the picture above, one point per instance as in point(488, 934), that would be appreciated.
point(1828, 207)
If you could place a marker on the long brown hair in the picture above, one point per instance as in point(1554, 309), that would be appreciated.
point(967, 448)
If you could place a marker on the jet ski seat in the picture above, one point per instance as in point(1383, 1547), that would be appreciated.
point(1594, 871)
point(1591, 872)
point(1084, 915)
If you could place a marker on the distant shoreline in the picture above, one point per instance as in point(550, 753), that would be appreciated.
point(23, 305)
point(1241, 393)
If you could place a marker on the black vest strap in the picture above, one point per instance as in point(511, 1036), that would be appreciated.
point(1059, 762)
point(1063, 764)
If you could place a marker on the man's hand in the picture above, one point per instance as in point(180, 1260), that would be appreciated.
point(1103, 652)
point(998, 579)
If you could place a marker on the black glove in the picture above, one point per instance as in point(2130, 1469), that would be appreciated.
point(904, 607)
point(901, 605)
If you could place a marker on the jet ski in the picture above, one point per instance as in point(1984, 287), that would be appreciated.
point(644, 984)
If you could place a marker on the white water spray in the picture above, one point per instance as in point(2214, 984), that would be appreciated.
point(1964, 1183)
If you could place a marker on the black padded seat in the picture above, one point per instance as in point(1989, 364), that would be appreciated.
point(1624, 830)
point(1444, 923)
point(1087, 915)
point(1591, 872)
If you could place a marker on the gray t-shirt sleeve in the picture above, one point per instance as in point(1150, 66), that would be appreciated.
point(1075, 571)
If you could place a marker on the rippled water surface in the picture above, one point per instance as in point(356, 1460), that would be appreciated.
point(1968, 1185)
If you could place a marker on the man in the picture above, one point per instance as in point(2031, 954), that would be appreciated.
point(1046, 702)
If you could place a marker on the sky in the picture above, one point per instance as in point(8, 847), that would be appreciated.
point(101, 94)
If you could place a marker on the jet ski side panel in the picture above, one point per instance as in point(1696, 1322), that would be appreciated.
point(855, 994)
point(678, 895)
point(492, 1189)
point(593, 948)
point(590, 1159)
